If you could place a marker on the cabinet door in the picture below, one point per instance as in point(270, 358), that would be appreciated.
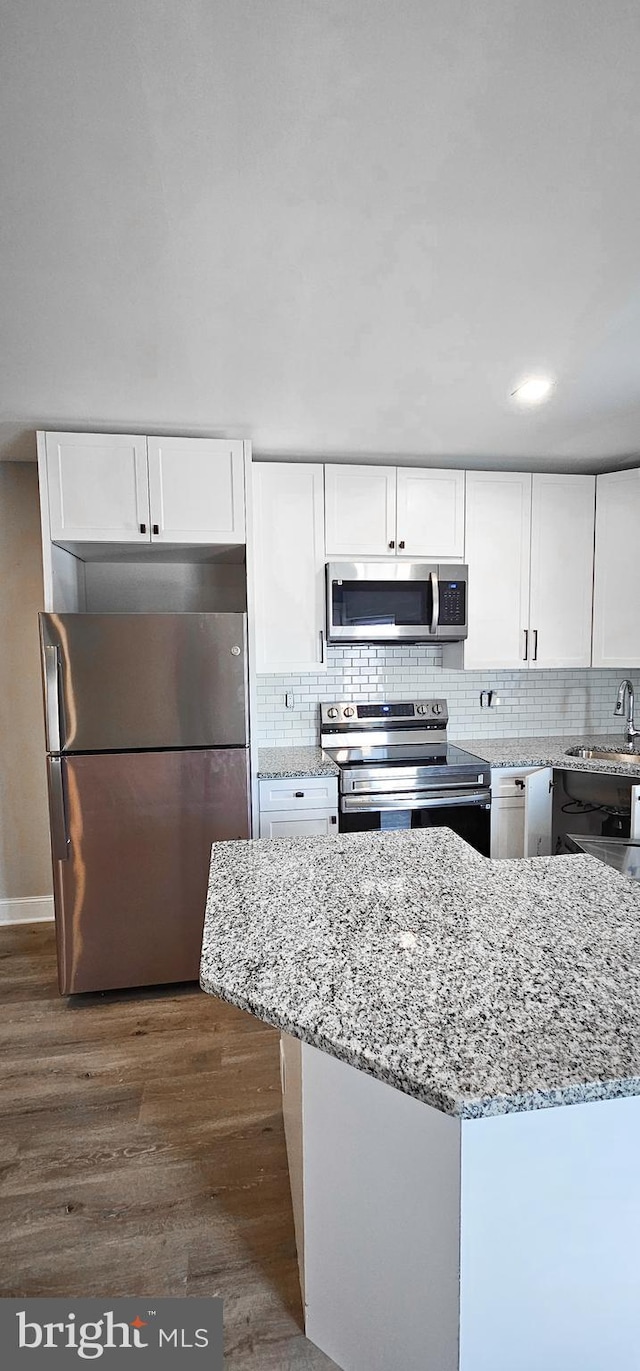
point(616, 623)
point(562, 527)
point(98, 487)
point(497, 541)
point(360, 511)
point(538, 813)
point(289, 567)
point(507, 828)
point(430, 520)
point(196, 488)
point(315, 823)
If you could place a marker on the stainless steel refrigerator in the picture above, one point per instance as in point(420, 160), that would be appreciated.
point(148, 764)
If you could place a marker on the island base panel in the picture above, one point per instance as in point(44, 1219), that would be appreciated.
point(381, 1178)
point(504, 1243)
point(550, 1239)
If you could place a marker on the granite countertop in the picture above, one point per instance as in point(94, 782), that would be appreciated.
point(551, 751)
point(294, 761)
point(480, 987)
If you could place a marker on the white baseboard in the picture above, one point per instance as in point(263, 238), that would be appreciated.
point(35, 909)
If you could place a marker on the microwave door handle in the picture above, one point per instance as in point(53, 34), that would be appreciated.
point(52, 696)
point(435, 595)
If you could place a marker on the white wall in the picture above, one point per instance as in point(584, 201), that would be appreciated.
point(25, 863)
point(533, 702)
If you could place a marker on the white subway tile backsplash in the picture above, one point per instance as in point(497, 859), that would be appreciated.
point(537, 703)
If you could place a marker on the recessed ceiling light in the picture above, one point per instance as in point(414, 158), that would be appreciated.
point(533, 391)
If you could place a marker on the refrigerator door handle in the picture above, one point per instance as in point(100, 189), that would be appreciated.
point(52, 696)
point(59, 839)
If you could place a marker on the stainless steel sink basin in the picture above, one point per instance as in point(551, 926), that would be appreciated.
point(603, 754)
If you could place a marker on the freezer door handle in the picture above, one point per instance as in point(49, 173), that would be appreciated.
point(52, 697)
point(59, 839)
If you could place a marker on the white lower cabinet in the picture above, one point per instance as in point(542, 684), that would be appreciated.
point(302, 807)
point(312, 823)
point(521, 799)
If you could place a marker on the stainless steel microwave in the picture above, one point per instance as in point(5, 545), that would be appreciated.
point(396, 602)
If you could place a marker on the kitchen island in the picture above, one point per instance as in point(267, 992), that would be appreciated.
point(439, 1012)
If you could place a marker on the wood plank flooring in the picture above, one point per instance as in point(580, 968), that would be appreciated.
point(142, 1153)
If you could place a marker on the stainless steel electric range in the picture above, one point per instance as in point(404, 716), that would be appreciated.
point(397, 770)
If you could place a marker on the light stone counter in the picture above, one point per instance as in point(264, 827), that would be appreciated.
point(291, 762)
point(552, 751)
point(478, 987)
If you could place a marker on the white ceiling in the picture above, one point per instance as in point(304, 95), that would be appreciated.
point(333, 226)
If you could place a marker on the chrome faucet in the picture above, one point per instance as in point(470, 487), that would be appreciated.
point(626, 687)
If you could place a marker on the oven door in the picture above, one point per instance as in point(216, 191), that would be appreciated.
point(466, 812)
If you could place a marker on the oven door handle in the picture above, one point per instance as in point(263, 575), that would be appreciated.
point(435, 595)
point(414, 800)
point(354, 786)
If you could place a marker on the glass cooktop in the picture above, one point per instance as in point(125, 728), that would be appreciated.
point(405, 754)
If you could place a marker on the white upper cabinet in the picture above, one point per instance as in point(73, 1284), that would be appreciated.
point(430, 513)
point(360, 511)
point(196, 490)
point(616, 619)
point(98, 487)
point(562, 527)
point(118, 488)
point(289, 567)
point(394, 511)
point(529, 547)
point(498, 521)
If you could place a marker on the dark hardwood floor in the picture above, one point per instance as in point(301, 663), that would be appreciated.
point(142, 1153)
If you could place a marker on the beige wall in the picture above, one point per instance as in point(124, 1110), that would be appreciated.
point(25, 866)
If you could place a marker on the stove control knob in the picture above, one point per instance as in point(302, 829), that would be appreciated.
point(349, 712)
point(436, 708)
point(332, 713)
point(421, 709)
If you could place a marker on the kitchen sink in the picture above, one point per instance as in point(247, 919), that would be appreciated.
point(604, 754)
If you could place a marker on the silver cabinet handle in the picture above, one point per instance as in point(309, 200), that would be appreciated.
point(52, 697)
point(526, 645)
point(535, 645)
point(321, 647)
point(435, 612)
point(59, 839)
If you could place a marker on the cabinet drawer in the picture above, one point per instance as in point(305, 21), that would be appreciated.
point(313, 792)
point(308, 823)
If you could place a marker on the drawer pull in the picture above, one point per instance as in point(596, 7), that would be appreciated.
point(299, 794)
point(519, 783)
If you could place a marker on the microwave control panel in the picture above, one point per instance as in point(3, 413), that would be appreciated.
point(453, 606)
